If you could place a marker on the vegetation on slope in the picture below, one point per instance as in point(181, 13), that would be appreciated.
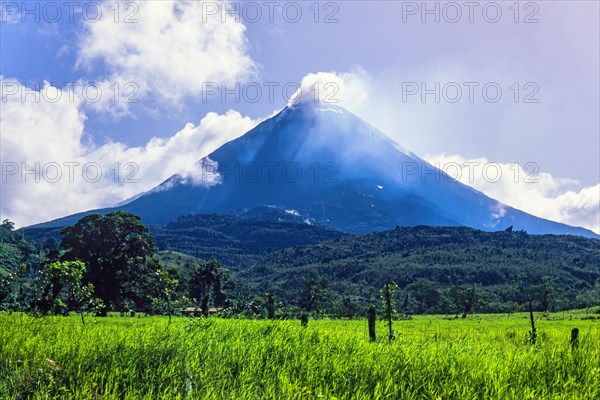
point(437, 269)
point(238, 241)
point(506, 268)
point(15, 249)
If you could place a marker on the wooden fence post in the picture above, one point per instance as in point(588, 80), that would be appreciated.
point(388, 303)
point(304, 319)
point(371, 315)
point(574, 338)
point(533, 335)
point(270, 305)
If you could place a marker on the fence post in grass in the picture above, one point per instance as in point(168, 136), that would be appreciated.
point(574, 338)
point(304, 318)
point(389, 312)
point(371, 315)
point(387, 297)
point(533, 333)
point(270, 305)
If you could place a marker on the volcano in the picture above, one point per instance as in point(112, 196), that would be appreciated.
point(321, 162)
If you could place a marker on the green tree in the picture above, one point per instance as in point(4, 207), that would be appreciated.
point(548, 292)
point(117, 249)
point(313, 294)
point(60, 289)
point(426, 294)
point(50, 245)
point(81, 299)
point(11, 286)
point(15, 249)
point(590, 297)
point(165, 287)
point(6, 230)
point(270, 305)
point(206, 278)
point(464, 298)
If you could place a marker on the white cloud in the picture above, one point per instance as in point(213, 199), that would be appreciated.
point(173, 49)
point(203, 173)
point(523, 187)
point(347, 89)
point(48, 136)
point(164, 57)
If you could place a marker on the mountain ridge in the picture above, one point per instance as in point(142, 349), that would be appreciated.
point(333, 167)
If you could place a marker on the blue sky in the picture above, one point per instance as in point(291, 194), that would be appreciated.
point(544, 53)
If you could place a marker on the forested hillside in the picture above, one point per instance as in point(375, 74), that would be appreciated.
point(238, 241)
point(426, 262)
point(437, 269)
point(15, 249)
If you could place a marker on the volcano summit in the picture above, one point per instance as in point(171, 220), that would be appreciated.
point(324, 163)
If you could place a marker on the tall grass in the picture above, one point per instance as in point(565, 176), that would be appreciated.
point(431, 358)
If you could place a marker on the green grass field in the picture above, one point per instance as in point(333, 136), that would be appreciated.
point(482, 357)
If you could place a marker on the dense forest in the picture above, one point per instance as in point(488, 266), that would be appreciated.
point(239, 241)
point(270, 262)
point(503, 269)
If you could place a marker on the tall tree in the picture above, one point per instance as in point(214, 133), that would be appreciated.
point(11, 290)
point(117, 249)
point(206, 277)
point(464, 297)
point(15, 249)
point(6, 230)
point(313, 294)
point(165, 289)
point(60, 288)
point(426, 294)
point(548, 291)
point(313, 291)
point(270, 304)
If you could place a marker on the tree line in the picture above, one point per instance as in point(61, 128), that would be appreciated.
point(107, 263)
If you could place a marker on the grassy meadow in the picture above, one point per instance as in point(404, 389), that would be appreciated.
point(481, 357)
